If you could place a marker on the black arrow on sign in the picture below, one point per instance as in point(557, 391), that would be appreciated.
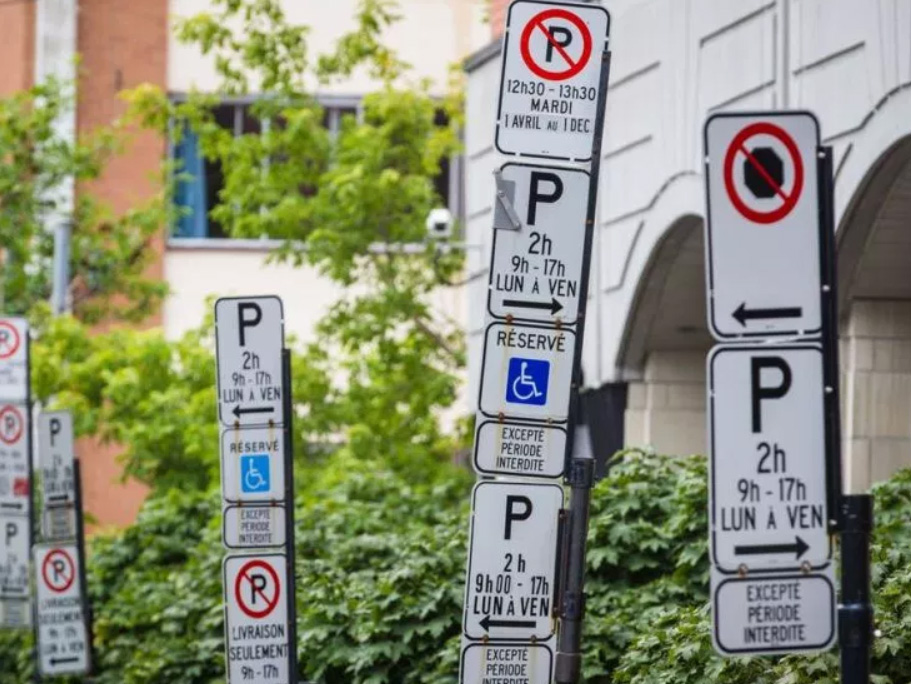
point(487, 623)
point(63, 661)
point(14, 506)
point(799, 547)
point(553, 305)
point(238, 411)
point(743, 314)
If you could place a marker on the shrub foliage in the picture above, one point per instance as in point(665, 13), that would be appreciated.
point(380, 570)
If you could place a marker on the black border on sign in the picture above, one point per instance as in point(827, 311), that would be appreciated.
point(546, 421)
point(810, 647)
point(505, 644)
point(710, 265)
point(517, 423)
point(281, 308)
point(224, 525)
point(493, 252)
point(713, 354)
point(474, 494)
point(505, 52)
point(222, 456)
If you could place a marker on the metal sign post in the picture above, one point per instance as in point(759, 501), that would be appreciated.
point(257, 476)
point(855, 511)
point(552, 102)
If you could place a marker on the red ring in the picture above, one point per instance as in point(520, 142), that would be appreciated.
point(47, 580)
point(242, 575)
point(573, 70)
point(763, 127)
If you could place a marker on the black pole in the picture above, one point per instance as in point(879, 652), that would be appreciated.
point(852, 513)
point(32, 515)
point(829, 301)
point(291, 579)
point(580, 464)
point(87, 616)
point(855, 614)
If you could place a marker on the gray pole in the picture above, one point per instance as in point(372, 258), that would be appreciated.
point(61, 268)
point(580, 477)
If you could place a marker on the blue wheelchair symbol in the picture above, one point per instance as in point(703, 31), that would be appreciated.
point(254, 473)
point(526, 381)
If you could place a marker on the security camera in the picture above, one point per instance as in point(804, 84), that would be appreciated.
point(439, 224)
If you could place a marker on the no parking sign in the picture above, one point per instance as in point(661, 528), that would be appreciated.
point(551, 81)
point(258, 639)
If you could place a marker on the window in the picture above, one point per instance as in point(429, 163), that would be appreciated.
point(198, 193)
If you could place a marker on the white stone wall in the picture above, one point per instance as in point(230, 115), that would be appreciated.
point(876, 389)
point(666, 409)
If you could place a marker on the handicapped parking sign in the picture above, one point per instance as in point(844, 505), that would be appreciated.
point(254, 473)
point(527, 381)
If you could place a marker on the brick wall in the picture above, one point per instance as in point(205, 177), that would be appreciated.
point(122, 45)
point(497, 17)
point(17, 46)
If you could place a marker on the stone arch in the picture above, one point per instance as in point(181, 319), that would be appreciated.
point(873, 203)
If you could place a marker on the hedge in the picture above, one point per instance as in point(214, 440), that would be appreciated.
point(380, 578)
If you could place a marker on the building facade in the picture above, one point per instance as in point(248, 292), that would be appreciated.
point(675, 62)
point(122, 45)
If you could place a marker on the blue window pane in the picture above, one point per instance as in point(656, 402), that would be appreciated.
point(190, 193)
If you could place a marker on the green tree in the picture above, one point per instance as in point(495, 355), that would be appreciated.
point(109, 252)
point(384, 363)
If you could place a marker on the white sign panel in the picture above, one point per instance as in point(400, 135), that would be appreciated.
point(764, 233)
point(773, 614)
point(513, 549)
point(250, 335)
point(256, 619)
point(253, 464)
point(15, 613)
point(13, 360)
point(58, 522)
point(527, 372)
point(550, 88)
point(55, 455)
point(536, 271)
point(14, 555)
point(15, 468)
point(63, 644)
point(520, 449)
point(254, 527)
point(768, 458)
point(491, 663)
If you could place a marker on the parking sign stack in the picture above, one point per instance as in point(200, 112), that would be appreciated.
point(551, 107)
point(256, 482)
point(15, 474)
point(771, 393)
